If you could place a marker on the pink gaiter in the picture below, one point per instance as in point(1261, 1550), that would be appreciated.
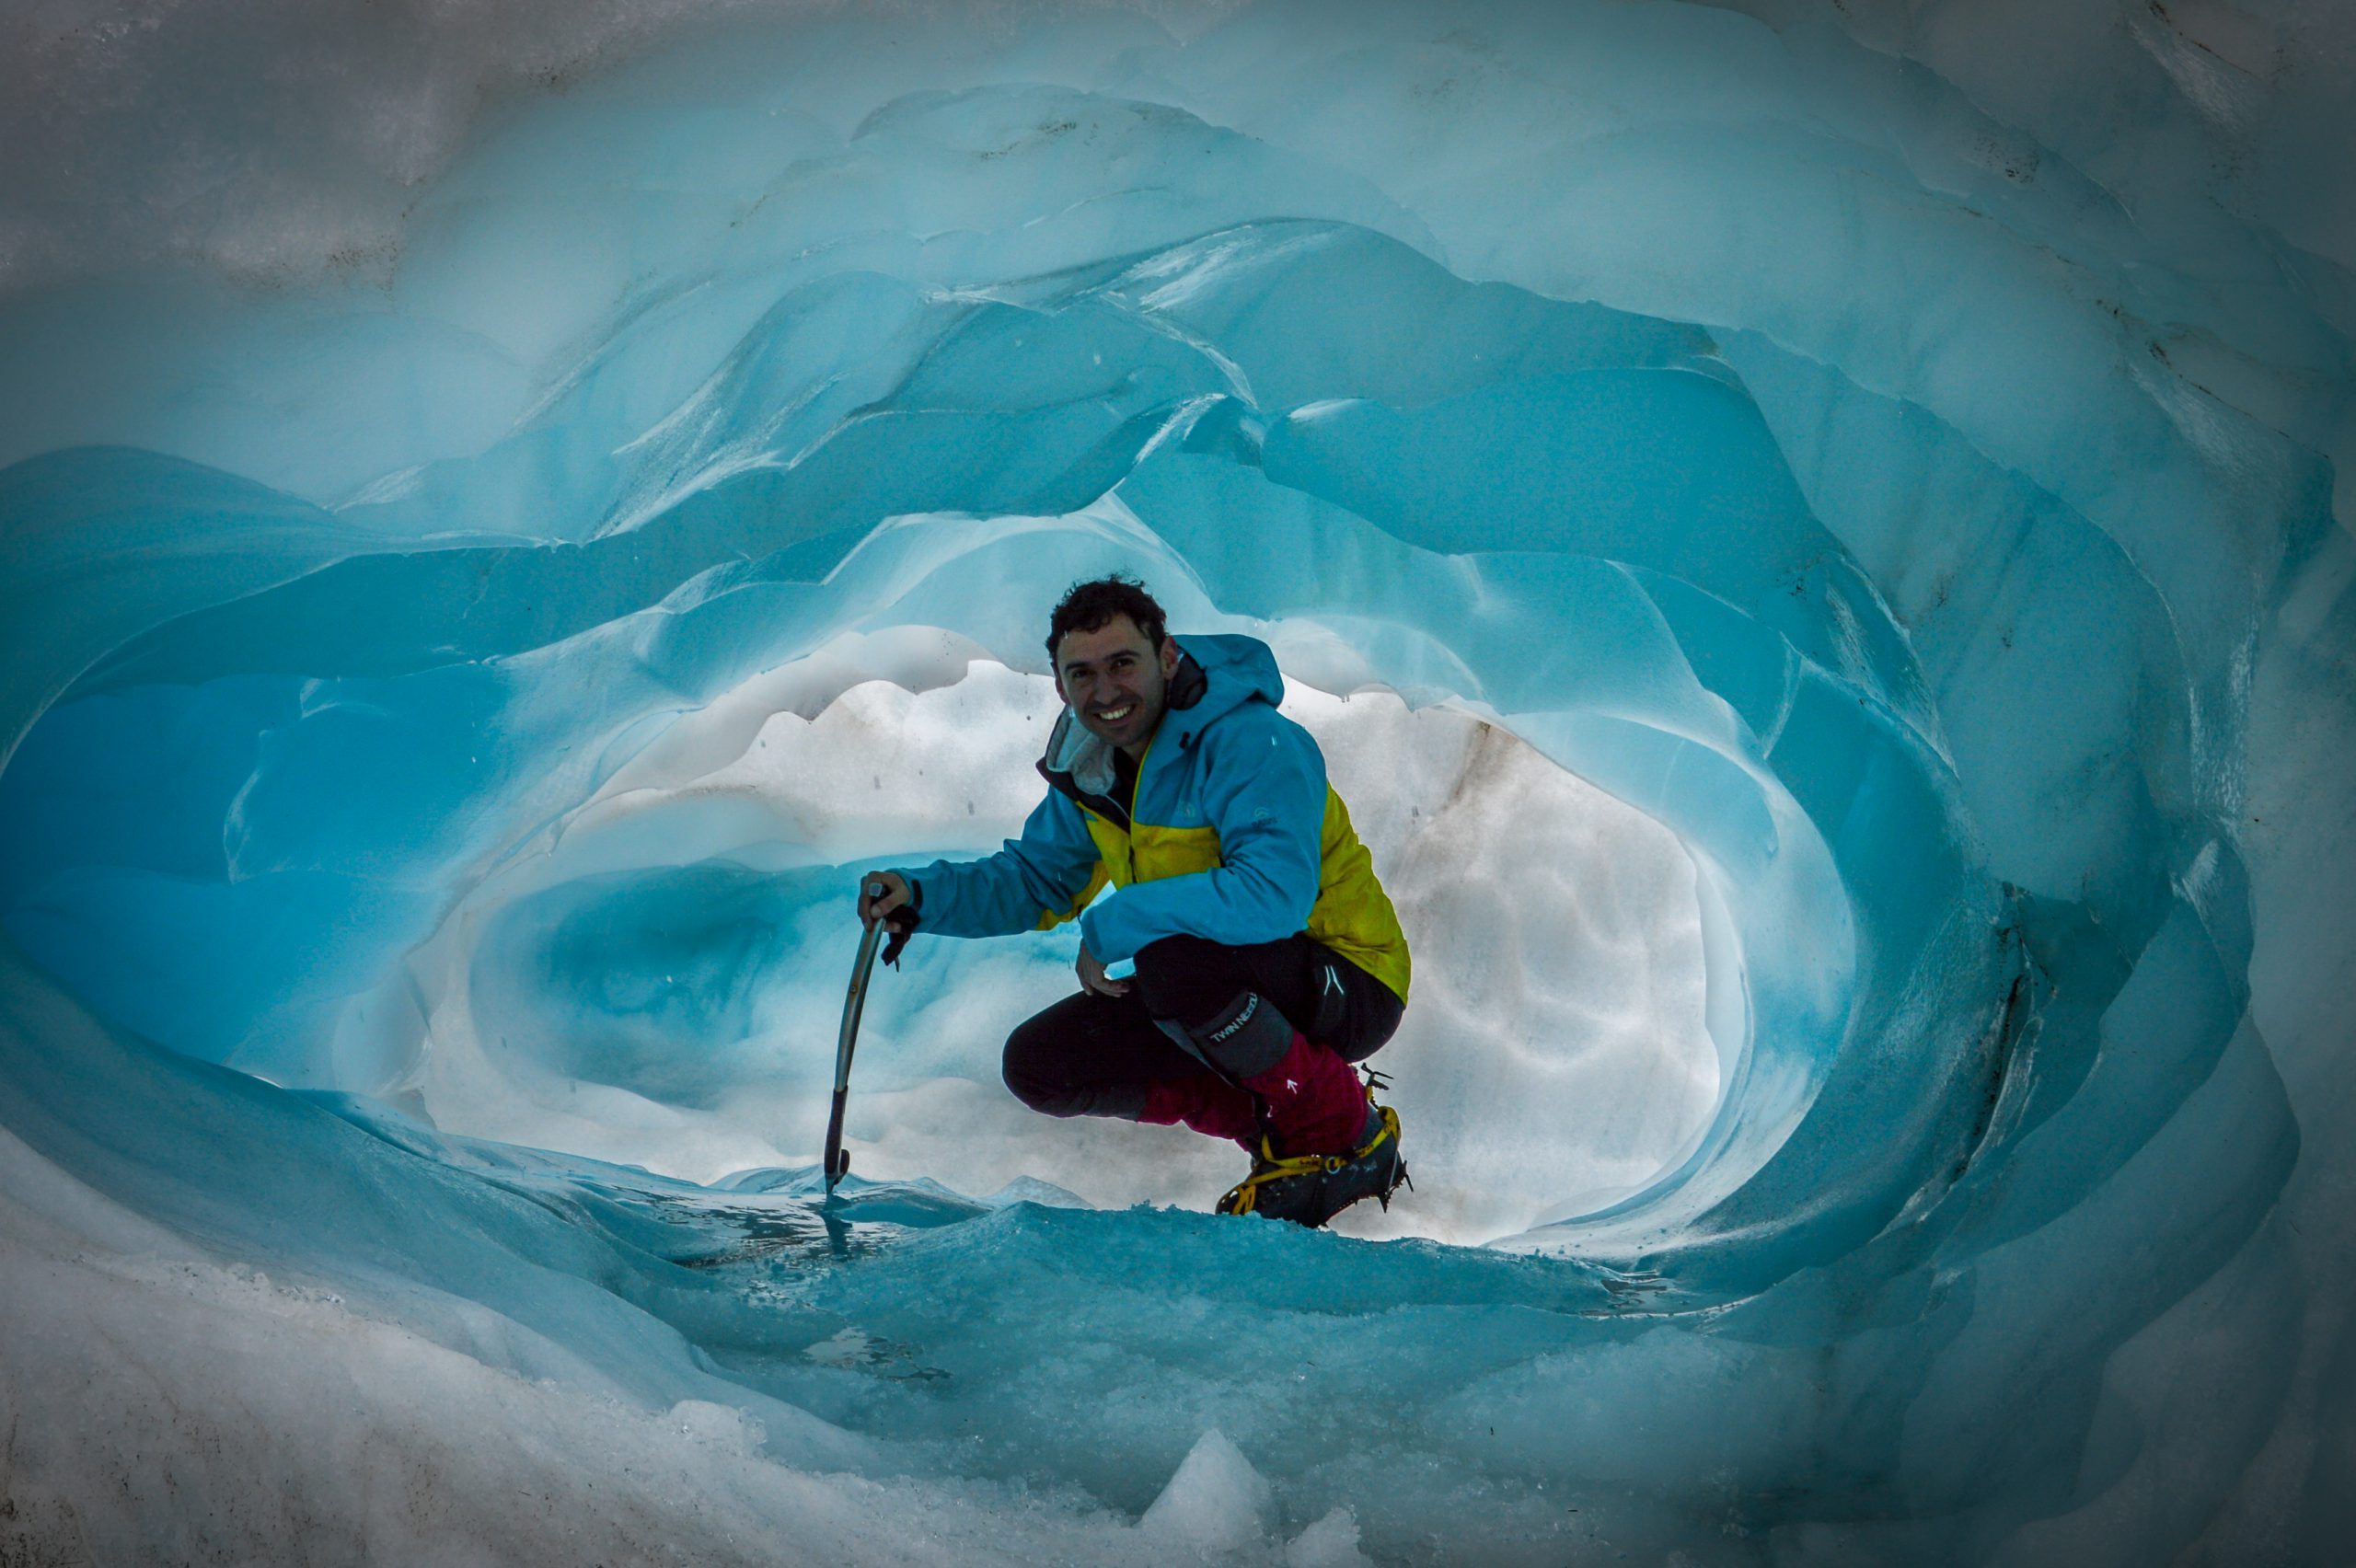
point(1207, 1105)
point(1316, 1104)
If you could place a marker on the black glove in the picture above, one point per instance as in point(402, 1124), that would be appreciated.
point(902, 924)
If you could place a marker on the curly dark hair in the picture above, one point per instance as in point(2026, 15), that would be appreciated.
point(1092, 606)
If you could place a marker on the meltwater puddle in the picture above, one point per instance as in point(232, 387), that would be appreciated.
point(753, 1219)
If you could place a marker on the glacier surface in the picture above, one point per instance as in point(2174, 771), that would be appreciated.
point(1810, 537)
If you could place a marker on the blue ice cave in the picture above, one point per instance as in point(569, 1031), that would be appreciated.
point(1810, 535)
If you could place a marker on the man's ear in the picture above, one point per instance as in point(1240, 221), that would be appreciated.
point(1170, 657)
point(1060, 688)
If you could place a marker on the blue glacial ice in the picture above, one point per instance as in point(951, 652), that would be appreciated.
point(1810, 538)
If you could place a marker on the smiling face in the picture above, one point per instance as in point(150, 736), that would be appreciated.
point(1117, 681)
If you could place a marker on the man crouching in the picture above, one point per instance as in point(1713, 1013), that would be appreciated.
point(1267, 957)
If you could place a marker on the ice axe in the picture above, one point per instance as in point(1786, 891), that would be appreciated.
point(837, 1159)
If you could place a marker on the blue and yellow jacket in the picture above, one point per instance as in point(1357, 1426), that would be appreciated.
point(1230, 834)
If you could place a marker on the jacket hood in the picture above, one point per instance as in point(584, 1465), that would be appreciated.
point(1216, 675)
point(1235, 670)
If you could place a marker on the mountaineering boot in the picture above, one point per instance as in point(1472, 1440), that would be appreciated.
point(1311, 1189)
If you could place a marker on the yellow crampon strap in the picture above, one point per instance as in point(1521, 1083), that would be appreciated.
point(1244, 1196)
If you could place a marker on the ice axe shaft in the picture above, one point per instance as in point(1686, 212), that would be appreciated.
point(839, 1161)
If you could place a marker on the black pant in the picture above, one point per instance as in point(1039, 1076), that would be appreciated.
point(1092, 1056)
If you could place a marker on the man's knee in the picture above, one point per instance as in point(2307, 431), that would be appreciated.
point(1026, 1069)
point(1041, 1071)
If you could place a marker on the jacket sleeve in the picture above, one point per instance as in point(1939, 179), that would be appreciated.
point(1263, 790)
point(1036, 880)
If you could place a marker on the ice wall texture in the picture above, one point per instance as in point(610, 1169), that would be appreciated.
point(1892, 452)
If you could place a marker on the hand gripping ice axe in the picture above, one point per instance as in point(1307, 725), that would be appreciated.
point(838, 1159)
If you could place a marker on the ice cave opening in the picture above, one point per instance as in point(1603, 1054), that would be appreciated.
point(652, 987)
point(1811, 540)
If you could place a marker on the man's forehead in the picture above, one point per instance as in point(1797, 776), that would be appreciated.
point(1115, 636)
